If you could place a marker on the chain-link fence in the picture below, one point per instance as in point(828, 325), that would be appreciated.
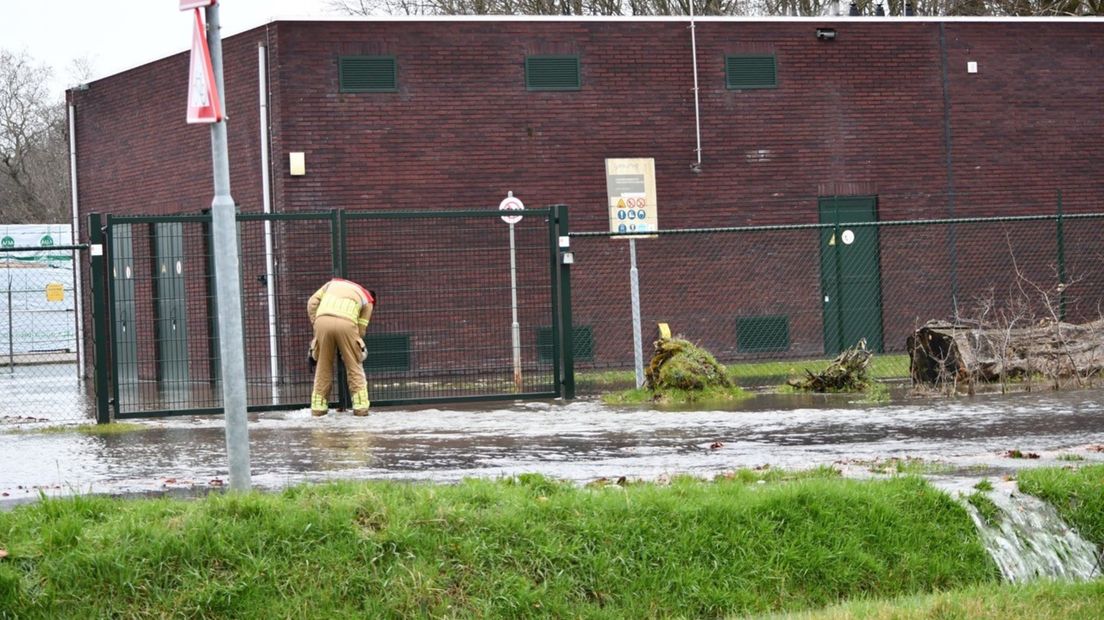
point(772, 301)
point(39, 340)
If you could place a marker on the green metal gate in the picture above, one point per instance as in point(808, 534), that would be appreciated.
point(441, 332)
point(850, 274)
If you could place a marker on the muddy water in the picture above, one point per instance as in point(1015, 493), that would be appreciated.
point(581, 440)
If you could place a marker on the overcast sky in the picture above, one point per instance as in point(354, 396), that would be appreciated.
point(115, 35)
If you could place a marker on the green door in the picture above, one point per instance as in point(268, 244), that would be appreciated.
point(171, 300)
point(850, 276)
point(124, 332)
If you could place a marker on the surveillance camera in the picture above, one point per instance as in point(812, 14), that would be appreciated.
point(825, 34)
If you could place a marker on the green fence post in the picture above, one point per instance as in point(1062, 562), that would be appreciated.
point(554, 271)
point(98, 279)
point(344, 397)
point(567, 334)
point(1061, 263)
point(836, 237)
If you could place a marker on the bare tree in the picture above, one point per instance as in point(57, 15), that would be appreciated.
point(381, 7)
point(33, 137)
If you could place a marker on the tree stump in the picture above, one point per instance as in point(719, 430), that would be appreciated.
point(942, 352)
point(846, 373)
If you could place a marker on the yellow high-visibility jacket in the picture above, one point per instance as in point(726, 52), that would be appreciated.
point(345, 299)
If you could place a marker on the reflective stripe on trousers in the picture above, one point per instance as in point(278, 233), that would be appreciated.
point(319, 402)
point(360, 399)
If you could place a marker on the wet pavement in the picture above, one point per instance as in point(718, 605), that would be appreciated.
point(582, 440)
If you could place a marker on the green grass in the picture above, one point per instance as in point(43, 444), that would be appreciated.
point(1070, 457)
point(987, 509)
point(1077, 494)
point(748, 374)
point(706, 396)
point(525, 547)
point(876, 393)
point(1038, 601)
point(984, 485)
point(882, 367)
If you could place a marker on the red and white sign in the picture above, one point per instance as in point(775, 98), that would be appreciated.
point(511, 204)
point(195, 4)
point(203, 101)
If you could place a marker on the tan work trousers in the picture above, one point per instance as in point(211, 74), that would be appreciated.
point(332, 334)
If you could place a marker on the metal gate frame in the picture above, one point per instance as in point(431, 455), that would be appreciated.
point(107, 375)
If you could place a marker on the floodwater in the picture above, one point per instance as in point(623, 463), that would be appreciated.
point(581, 440)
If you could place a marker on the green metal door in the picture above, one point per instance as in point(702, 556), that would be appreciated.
point(171, 300)
point(850, 275)
point(123, 331)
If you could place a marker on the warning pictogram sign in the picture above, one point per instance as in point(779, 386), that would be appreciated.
point(203, 101)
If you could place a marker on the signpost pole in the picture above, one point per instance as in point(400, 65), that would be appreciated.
point(638, 345)
point(510, 203)
point(515, 326)
point(227, 270)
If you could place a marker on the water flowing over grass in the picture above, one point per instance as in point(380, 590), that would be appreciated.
point(1077, 494)
point(529, 546)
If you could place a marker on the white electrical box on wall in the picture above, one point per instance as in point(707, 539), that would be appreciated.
point(298, 164)
point(971, 66)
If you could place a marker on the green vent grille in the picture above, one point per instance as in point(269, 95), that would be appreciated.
point(387, 352)
point(762, 333)
point(584, 343)
point(552, 73)
point(743, 72)
point(367, 74)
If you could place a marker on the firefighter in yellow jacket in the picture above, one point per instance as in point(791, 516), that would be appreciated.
point(340, 312)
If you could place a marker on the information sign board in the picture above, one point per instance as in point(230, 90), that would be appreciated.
point(631, 192)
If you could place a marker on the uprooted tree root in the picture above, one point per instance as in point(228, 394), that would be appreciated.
point(677, 364)
point(846, 373)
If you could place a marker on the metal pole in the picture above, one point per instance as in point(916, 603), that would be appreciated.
point(697, 106)
point(1061, 263)
point(567, 332)
point(638, 345)
point(266, 203)
point(74, 238)
point(227, 270)
point(515, 328)
point(98, 281)
point(11, 341)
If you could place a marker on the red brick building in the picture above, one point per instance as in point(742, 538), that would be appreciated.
point(923, 118)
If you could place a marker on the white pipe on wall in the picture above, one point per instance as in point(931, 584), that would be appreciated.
point(74, 237)
point(697, 108)
point(266, 202)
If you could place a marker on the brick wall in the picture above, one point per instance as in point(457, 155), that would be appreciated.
point(885, 109)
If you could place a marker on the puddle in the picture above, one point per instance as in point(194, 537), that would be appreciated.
point(580, 440)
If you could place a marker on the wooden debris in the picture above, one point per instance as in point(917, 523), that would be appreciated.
point(943, 352)
point(847, 373)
